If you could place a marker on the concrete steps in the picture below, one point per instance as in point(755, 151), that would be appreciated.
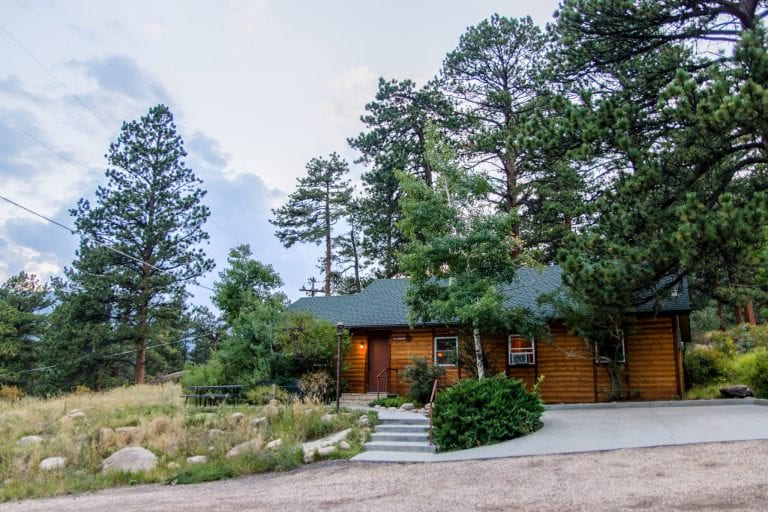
point(357, 400)
point(407, 432)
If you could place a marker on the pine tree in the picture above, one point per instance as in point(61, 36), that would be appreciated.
point(320, 200)
point(396, 125)
point(140, 242)
point(23, 320)
point(677, 126)
point(459, 253)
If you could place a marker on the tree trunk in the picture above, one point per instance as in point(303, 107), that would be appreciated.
point(617, 384)
point(327, 288)
point(356, 256)
point(751, 313)
point(142, 320)
point(478, 353)
point(739, 314)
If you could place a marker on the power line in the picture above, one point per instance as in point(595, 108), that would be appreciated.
point(14, 203)
point(39, 63)
point(43, 368)
point(98, 242)
point(46, 146)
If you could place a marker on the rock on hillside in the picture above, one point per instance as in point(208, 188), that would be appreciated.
point(131, 459)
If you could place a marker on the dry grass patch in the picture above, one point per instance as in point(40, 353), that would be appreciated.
point(85, 428)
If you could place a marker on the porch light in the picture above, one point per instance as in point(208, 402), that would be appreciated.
point(362, 342)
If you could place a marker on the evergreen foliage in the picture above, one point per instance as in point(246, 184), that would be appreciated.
point(139, 248)
point(23, 321)
point(486, 411)
point(313, 209)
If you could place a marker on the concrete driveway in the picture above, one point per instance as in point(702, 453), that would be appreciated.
point(599, 427)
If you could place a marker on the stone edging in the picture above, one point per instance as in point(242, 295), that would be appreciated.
point(668, 403)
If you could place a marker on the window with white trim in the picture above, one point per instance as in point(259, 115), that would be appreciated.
point(522, 350)
point(446, 350)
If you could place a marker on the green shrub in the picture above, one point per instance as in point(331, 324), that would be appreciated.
point(422, 376)
point(208, 374)
point(752, 369)
point(704, 365)
point(261, 395)
point(392, 401)
point(477, 412)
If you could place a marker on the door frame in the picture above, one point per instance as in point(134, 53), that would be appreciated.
point(378, 336)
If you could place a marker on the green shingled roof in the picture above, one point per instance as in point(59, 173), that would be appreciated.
point(381, 303)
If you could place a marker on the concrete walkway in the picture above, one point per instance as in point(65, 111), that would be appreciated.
point(598, 427)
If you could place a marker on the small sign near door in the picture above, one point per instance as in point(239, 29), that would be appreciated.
point(401, 337)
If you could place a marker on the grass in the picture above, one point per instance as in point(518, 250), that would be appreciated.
point(163, 425)
point(704, 392)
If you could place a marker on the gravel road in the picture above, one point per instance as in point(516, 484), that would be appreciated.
point(722, 476)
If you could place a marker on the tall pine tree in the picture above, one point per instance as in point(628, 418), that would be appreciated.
point(320, 200)
point(140, 240)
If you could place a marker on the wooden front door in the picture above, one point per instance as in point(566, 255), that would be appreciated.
point(378, 361)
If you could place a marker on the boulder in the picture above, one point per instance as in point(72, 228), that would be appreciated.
point(197, 459)
point(30, 440)
point(52, 463)
point(75, 414)
point(277, 443)
point(270, 410)
point(252, 445)
point(736, 391)
point(344, 446)
point(309, 457)
point(407, 407)
point(311, 446)
point(362, 421)
point(327, 450)
point(261, 420)
point(237, 417)
point(131, 459)
point(328, 417)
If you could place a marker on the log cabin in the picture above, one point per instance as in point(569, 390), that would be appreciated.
point(383, 343)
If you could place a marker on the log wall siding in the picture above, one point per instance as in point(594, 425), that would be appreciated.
point(355, 364)
point(652, 359)
point(566, 364)
point(421, 343)
point(570, 375)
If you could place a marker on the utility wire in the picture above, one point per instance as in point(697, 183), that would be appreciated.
point(98, 242)
point(43, 368)
point(39, 63)
point(46, 146)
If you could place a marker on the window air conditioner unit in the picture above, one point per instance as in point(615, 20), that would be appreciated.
point(519, 359)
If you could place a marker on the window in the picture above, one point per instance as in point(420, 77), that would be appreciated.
point(620, 352)
point(446, 351)
point(522, 350)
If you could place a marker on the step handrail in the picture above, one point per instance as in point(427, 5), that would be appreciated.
point(378, 380)
point(431, 407)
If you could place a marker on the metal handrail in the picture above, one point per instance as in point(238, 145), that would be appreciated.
point(431, 407)
point(378, 380)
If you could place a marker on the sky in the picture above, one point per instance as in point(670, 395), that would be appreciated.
point(257, 89)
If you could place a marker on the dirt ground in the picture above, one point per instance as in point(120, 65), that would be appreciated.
point(722, 476)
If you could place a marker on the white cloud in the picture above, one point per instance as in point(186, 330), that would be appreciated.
point(346, 97)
